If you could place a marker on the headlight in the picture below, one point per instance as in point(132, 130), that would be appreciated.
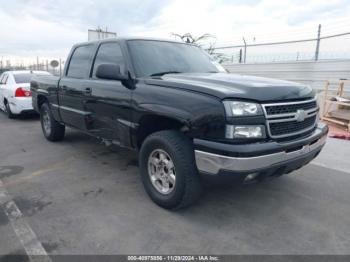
point(235, 108)
point(248, 131)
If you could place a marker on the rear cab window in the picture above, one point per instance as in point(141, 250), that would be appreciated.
point(80, 62)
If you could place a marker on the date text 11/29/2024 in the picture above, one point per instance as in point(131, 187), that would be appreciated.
point(174, 258)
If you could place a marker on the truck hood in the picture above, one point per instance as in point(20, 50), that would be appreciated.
point(224, 85)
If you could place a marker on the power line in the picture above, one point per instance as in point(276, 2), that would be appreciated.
point(284, 42)
point(330, 28)
point(279, 36)
point(337, 35)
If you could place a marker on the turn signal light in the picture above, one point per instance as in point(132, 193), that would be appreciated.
point(20, 92)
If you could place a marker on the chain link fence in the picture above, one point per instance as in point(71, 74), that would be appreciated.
point(329, 47)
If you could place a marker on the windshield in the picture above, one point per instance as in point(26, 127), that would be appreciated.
point(157, 57)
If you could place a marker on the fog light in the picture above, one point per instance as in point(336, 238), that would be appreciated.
point(251, 177)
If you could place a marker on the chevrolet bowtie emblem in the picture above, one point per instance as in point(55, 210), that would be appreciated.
point(300, 115)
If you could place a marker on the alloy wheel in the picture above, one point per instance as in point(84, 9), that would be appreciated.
point(161, 171)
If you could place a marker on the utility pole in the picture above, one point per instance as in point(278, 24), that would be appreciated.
point(318, 42)
point(245, 50)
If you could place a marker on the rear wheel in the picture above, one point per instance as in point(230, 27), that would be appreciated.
point(168, 170)
point(8, 111)
point(53, 130)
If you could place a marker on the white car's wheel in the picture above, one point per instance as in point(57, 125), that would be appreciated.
point(8, 110)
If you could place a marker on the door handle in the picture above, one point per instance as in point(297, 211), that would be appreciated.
point(64, 88)
point(88, 91)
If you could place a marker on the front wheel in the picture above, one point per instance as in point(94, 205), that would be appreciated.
point(168, 170)
point(53, 130)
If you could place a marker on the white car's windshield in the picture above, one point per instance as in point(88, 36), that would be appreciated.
point(155, 58)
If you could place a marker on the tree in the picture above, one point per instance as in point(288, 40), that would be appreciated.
point(219, 57)
point(191, 39)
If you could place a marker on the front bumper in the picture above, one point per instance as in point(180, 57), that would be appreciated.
point(258, 158)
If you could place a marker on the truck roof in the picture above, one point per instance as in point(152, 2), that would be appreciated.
point(118, 39)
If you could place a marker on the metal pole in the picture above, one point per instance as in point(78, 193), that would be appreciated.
point(60, 67)
point(318, 42)
point(245, 50)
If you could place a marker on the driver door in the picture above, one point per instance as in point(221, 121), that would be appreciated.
point(109, 100)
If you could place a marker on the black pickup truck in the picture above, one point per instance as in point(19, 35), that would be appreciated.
point(185, 116)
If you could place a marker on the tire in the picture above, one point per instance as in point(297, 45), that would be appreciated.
point(8, 111)
point(175, 146)
point(53, 130)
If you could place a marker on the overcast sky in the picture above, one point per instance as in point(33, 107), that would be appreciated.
point(49, 28)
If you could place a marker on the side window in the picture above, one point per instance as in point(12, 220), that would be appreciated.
point(80, 63)
point(1, 77)
point(109, 53)
point(4, 79)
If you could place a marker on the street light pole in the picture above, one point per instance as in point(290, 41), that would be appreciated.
point(245, 50)
point(318, 42)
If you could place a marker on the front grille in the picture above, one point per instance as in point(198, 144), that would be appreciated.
point(292, 108)
point(285, 120)
point(282, 128)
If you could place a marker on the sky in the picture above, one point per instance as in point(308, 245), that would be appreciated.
point(31, 28)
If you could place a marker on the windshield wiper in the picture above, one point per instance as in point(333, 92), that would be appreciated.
point(166, 72)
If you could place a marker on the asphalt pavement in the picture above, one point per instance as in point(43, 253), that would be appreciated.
point(80, 197)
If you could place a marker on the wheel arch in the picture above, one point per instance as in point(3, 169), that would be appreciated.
point(152, 123)
point(41, 99)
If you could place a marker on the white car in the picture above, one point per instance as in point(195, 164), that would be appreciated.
point(15, 94)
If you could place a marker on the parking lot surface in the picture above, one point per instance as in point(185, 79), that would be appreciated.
point(80, 197)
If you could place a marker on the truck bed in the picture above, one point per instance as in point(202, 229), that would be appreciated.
point(45, 85)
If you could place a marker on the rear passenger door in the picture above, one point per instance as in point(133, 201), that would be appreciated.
point(1, 93)
point(3, 81)
point(74, 85)
point(109, 102)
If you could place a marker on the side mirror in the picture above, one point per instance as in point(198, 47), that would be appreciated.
point(110, 71)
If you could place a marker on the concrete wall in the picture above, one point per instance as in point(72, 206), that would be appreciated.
point(308, 72)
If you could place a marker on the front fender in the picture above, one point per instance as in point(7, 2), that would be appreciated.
point(180, 115)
